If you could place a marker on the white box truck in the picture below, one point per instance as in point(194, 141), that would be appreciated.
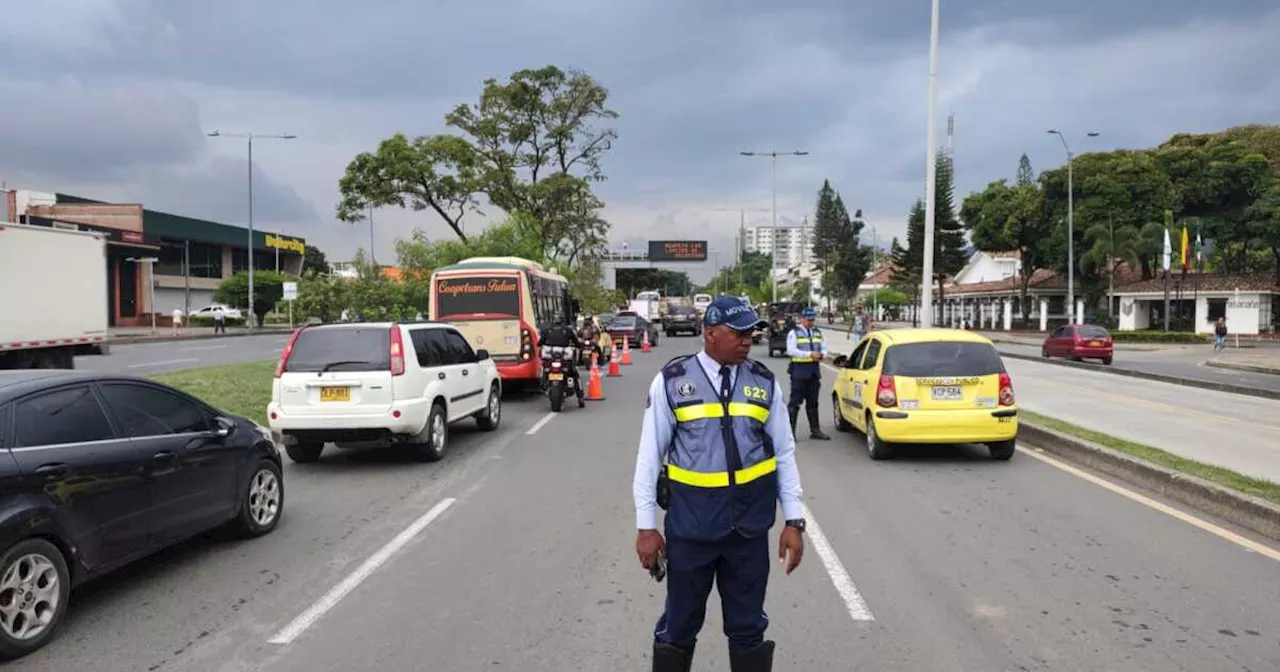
point(53, 296)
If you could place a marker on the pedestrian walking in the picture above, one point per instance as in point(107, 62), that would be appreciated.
point(1220, 334)
point(806, 349)
point(716, 453)
point(177, 320)
point(219, 320)
point(858, 326)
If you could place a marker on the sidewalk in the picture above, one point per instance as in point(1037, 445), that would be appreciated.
point(124, 335)
point(1258, 361)
point(1228, 430)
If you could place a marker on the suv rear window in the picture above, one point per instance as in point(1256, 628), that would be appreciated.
point(341, 349)
point(681, 310)
point(1089, 331)
point(942, 358)
point(623, 323)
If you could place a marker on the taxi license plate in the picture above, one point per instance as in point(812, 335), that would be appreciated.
point(335, 394)
point(1094, 344)
point(555, 376)
point(947, 393)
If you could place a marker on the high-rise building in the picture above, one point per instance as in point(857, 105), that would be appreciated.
point(794, 243)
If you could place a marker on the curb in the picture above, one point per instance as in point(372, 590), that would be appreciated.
point(1237, 508)
point(1145, 375)
point(134, 340)
point(1251, 368)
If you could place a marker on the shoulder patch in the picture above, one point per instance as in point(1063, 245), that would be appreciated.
point(675, 367)
point(760, 369)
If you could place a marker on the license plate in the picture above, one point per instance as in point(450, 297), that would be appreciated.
point(335, 394)
point(1094, 344)
point(947, 393)
point(555, 376)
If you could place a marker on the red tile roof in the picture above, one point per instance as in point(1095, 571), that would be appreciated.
point(1207, 282)
point(1041, 279)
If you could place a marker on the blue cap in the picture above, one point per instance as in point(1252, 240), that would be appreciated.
point(733, 313)
point(809, 314)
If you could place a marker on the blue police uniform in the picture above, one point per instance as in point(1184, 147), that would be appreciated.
point(806, 374)
point(728, 458)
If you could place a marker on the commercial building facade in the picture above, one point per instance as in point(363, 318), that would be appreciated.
point(193, 256)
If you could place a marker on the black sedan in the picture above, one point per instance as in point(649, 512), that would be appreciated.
point(631, 328)
point(97, 471)
point(682, 319)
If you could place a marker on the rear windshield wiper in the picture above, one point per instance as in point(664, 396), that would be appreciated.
point(330, 365)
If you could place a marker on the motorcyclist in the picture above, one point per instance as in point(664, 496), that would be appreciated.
point(562, 335)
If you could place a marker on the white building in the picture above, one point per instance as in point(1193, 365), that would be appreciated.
point(792, 243)
point(1249, 303)
point(788, 278)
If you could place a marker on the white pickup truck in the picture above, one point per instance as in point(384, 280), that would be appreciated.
point(53, 296)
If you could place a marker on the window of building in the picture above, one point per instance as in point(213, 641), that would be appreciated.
point(170, 256)
point(1217, 309)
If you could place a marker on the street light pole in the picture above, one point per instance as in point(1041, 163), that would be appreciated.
point(1071, 226)
point(249, 251)
point(773, 262)
point(930, 195)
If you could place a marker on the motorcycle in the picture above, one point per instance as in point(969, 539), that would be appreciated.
point(558, 367)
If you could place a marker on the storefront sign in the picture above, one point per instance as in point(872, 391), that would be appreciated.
point(131, 236)
point(288, 244)
point(1245, 305)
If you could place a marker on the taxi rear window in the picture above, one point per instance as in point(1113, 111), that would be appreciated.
point(942, 358)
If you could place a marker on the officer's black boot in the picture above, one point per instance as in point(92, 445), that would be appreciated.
point(668, 658)
point(758, 658)
point(793, 413)
point(815, 432)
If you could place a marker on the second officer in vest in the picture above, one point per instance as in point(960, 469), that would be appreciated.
point(716, 452)
point(806, 349)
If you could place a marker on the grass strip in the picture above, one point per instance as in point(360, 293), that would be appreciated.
point(1257, 487)
point(239, 389)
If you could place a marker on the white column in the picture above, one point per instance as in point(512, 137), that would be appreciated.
point(1079, 311)
point(1008, 314)
point(1044, 314)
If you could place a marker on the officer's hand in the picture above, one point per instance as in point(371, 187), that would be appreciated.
point(649, 544)
point(791, 548)
point(817, 356)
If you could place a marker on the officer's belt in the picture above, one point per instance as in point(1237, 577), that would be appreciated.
point(720, 479)
point(716, 410)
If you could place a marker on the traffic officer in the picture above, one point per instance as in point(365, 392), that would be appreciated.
point(716, 453)
point(806, 349)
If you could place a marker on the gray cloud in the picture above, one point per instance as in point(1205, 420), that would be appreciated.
point(120, 101)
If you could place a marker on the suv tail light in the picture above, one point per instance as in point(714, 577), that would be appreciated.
point(1006, 390)
point(397, 351)
point(288, 350)
point(887, 392)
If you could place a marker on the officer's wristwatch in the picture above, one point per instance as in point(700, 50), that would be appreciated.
point(797, 523)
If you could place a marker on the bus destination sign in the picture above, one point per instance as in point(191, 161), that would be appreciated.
point(677, 250)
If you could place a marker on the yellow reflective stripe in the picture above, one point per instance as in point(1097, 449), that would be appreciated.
point(720, 479)
point(802, 360)
point(815, 339)
point(706, 411)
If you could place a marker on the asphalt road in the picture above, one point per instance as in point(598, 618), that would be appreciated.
point(141, 359)
point(516, 552)
point(1235, 431)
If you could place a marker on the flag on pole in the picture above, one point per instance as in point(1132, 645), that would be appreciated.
point(1167, 257)
point(1186, 249)
point(1199, 248)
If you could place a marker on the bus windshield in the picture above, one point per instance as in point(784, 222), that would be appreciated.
point(480, 295)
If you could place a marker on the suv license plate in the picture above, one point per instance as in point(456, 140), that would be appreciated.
point(335, 394)
point(947, 393)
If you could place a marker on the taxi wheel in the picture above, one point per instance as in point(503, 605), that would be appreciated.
point(1002, 450)
point(879, 450)
point(840, 423)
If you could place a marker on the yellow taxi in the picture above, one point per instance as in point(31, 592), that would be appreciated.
point(927, 386)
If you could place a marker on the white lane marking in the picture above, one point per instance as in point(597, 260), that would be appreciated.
point(1183, 516)
point(202, 347)
point(538, 425)
point(308, 618)
point(164, 363)
point(839, 577)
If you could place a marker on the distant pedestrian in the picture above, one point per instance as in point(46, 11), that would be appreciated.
point(177, 320)
point(857, 326)
point(219, 320)
point(1220, 334)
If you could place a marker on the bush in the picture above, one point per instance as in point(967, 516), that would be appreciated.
point(1153, 336)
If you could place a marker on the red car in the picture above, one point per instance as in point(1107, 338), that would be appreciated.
point(1080, 341)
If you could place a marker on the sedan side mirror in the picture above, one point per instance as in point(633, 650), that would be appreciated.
point(482, 355)
point(223, 427)
point(840, 361)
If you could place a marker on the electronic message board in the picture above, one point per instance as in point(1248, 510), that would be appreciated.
point(677, 250)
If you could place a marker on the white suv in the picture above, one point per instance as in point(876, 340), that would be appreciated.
point(394, 384)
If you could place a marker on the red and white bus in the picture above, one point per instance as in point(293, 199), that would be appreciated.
point(499, 303)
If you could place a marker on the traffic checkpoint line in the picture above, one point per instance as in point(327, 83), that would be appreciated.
point(1178, 514)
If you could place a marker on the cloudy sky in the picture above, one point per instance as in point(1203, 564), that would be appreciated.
point(112, 99)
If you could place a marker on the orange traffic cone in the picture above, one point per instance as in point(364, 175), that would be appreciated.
point(614, 371)
point(626, 352)
point(644, 342)
point(595, 386)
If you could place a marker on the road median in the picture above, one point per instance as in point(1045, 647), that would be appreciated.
point(1241, 366)
point(1250, 503)
point(1147, 375)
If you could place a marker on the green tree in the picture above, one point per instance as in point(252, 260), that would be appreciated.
point(826, 225)
point(313, 261)
point(908, 261)
point(1025, 174)
point(322, 297)
point(949, 255)
point(802, 291)
point(587, 286)
point(268, 289)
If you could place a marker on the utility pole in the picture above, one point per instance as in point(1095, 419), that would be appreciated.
point(1071, 226)
point(773, 263)
point(926, 291)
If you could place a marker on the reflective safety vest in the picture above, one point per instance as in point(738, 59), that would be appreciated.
point(806, 343)
point(720, 463)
